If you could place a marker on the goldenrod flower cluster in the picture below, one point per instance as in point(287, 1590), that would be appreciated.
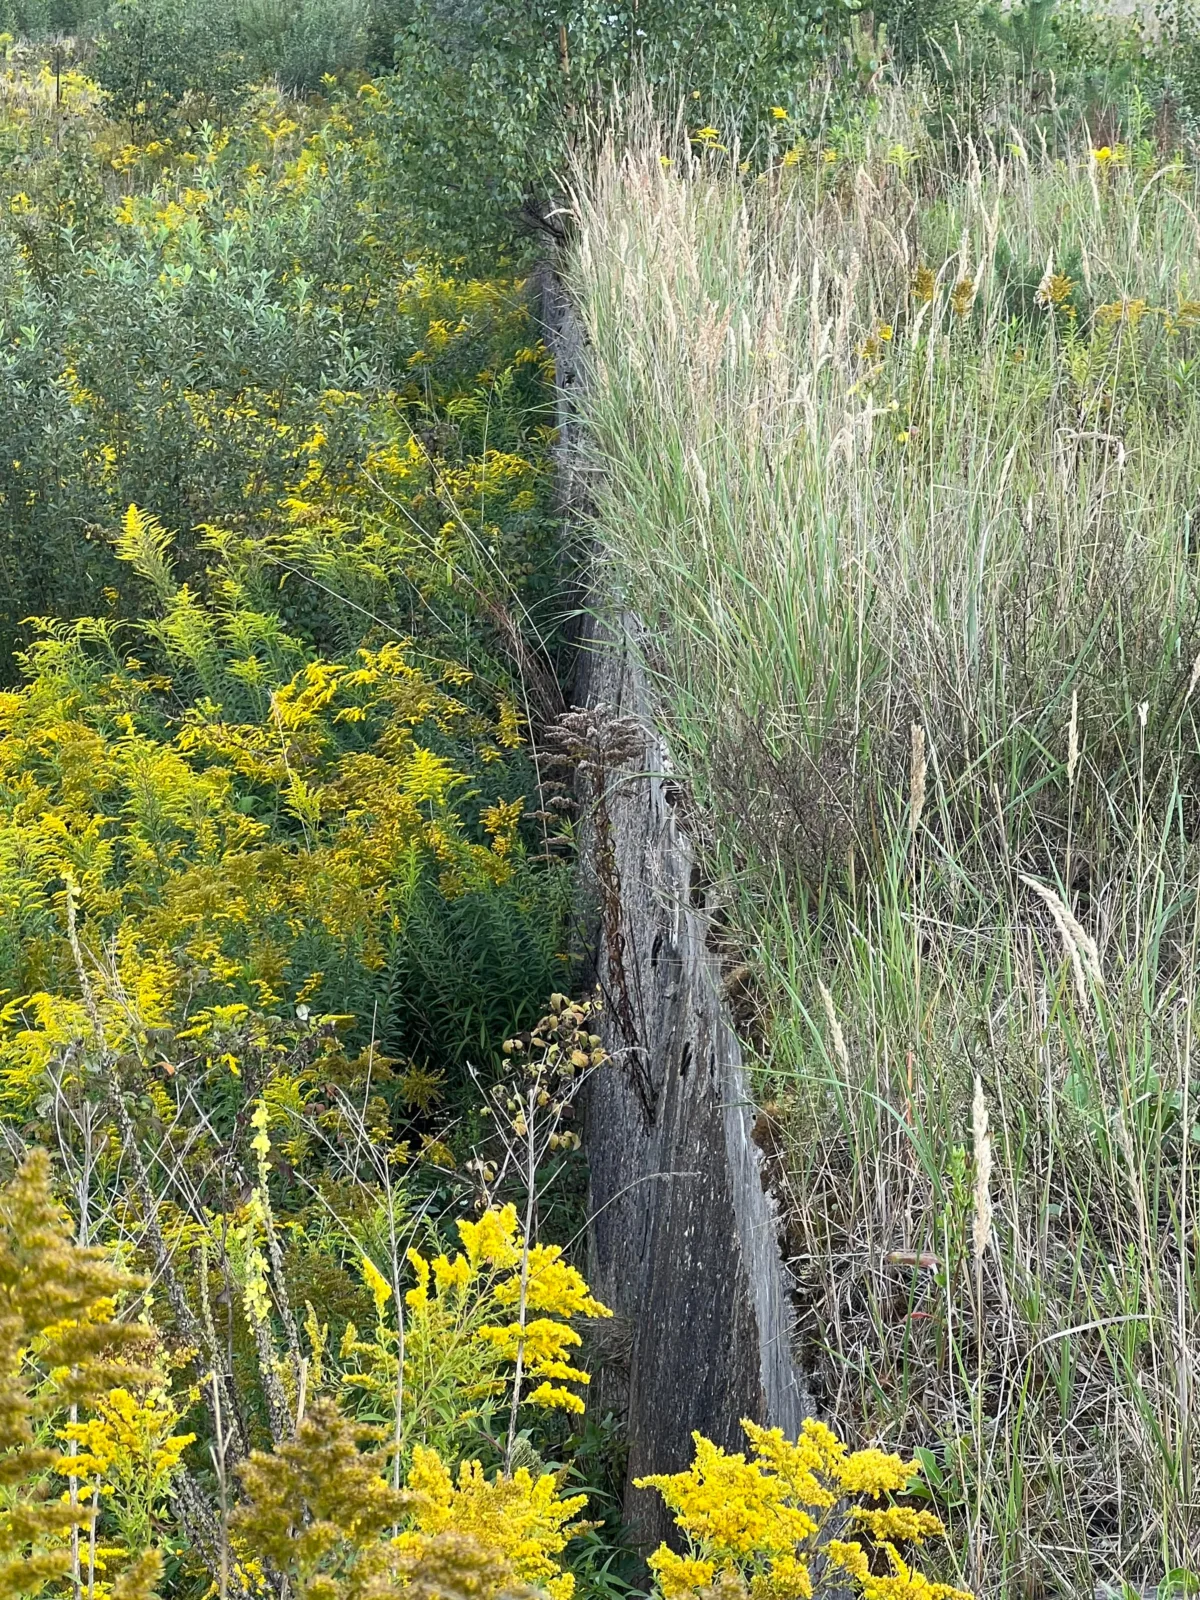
point(490, 1273)
point(132, 1435)
point(755, 1525)
point(520, 1517)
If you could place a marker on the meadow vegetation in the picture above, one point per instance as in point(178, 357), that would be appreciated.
point(892, 422)
point(893, 429)
point(278, 546)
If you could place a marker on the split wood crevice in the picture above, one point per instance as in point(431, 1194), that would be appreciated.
point(684, 1237)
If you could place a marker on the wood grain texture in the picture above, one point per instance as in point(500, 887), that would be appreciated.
point(684, 1238)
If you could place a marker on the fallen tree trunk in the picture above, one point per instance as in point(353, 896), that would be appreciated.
point(684, 1237)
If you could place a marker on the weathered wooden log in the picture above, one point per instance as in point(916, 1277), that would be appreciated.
point(684, 1238)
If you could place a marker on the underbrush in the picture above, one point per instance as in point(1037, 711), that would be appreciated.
point(895, 447)
point(277, 881)
point(281, 500)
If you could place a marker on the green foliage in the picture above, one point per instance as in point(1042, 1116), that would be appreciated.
point(318, 1509)
point(157, 57)
point(451, 972)
point(301, 44)
point(237, 339)
point(492, 102)
point(487, 96)
point(384, 476)
point(37, 19)
point(248, 824)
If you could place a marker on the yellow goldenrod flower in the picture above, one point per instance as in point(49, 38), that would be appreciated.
point(754, 1525)
point(521, 1517)
point(923, 285)
point(451, 1276)
point(1053, 290)
point(898, 1523)
point(787, 1579)
point(677, 1575)
point(962, 297)
point(381, 1289)
point(874, 1473)
point(1125, 310)
point(850, 1557)
point(906, 1584)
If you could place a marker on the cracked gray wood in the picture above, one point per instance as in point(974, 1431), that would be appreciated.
point(684, 1240)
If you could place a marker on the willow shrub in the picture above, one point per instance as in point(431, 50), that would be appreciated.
point(221, 324)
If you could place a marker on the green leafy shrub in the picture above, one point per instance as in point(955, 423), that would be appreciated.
point(156, 58)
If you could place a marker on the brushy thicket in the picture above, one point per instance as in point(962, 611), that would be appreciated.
point(894, 435)
point(269, 724)
point(278, 555)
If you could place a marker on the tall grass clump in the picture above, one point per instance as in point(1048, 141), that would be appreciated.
point(897, 456)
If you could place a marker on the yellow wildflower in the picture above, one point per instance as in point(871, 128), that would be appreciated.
point(552, 1286)
point(898, 1522)
point(451, 1275)
point(1124, 310)
point(749, 1527)
point(730, 1504)
point(850, 1556)
point(129, 1445)
point(508, 727)
point(962, 297)
point(874, 1473)
point(415, 1298)
point(677, 1575)
point(906, 1584)
point(1053, 290)
point(521, 1518)
point(381, 1289)
point(553, 1397)
point(817, 1450)
point(261, 1142)
point(923, 284)
point(877, 340)
point(788, 1579)
point(492, 1240)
